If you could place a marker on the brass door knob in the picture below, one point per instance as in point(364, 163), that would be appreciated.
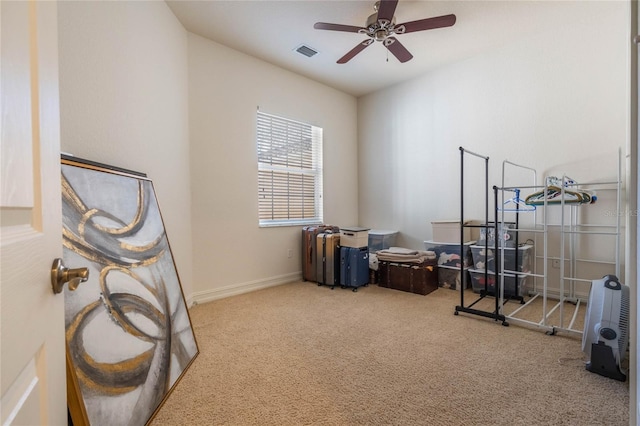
point(60, 275)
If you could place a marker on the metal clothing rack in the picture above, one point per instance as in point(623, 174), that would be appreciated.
point(569, 229)
point(535, 293)
point(495, 314)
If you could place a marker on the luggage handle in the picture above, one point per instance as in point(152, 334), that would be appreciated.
point(311, 242)
point(350, 234)
point(324, 258)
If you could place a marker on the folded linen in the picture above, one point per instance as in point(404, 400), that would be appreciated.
point(399, 254)
point(400, 250)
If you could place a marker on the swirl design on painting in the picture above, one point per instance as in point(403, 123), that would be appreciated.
point(129, 249)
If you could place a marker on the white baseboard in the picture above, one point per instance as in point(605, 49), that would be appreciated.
point(241, 288)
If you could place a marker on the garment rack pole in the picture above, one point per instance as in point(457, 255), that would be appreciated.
point(517, 230)
point(496, 315)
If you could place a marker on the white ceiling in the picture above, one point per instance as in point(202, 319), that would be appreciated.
point(272, 30)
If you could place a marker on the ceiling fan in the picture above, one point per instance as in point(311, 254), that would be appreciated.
point(381, 26)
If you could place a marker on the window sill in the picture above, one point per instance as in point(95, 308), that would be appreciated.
point(288, 223)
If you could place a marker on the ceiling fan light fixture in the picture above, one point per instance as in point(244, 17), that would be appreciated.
point(385, 23)
point(372, 22)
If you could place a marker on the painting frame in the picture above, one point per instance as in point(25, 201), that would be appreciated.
point(128, 331)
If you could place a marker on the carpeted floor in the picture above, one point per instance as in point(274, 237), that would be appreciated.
point(299, 354)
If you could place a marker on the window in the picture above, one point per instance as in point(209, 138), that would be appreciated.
point(289, 171)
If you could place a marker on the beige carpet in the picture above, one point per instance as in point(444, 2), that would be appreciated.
point(299, 354)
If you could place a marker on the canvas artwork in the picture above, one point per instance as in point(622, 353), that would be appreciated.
point(128, 331)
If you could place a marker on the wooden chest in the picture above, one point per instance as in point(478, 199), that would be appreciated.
point(415, 278)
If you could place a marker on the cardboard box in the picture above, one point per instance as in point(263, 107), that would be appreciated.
point(354, 237)
point(448, 231)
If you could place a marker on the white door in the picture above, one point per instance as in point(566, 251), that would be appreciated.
point(635, 393)
point(32, 346)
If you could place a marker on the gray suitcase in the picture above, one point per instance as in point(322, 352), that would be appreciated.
point(309, 254)
point(328, 259)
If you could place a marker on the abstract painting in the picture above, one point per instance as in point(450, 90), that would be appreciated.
point(128, 330)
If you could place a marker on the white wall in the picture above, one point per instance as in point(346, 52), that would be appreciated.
point(231, 253)
point(549, 101)
point(123, 101)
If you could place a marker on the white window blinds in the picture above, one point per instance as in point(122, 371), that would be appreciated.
point(289, 171)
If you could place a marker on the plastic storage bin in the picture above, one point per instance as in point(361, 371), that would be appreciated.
point(448, 258)
point(452, 278)
point(381, 239)
point(449, 254)
point(448, 231)
point(489, 260)
point(354, 237)
point(505, 231)
point(510, 288)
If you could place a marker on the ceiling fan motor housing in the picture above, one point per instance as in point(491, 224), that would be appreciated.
point(379, 29)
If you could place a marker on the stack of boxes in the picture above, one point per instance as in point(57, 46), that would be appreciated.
point(379, 239)
point(487, 259)
point(354, 257)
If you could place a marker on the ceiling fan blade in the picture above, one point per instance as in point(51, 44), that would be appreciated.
point(426, 24)
point(353, 52)
point(337, 27)
point(398, 50)
point(386, 9)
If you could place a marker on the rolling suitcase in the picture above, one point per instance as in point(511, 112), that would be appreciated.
point(354, 267)
point(309, 252)
point(328, 259)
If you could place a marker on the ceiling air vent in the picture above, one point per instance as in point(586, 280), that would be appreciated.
point(306, 50)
